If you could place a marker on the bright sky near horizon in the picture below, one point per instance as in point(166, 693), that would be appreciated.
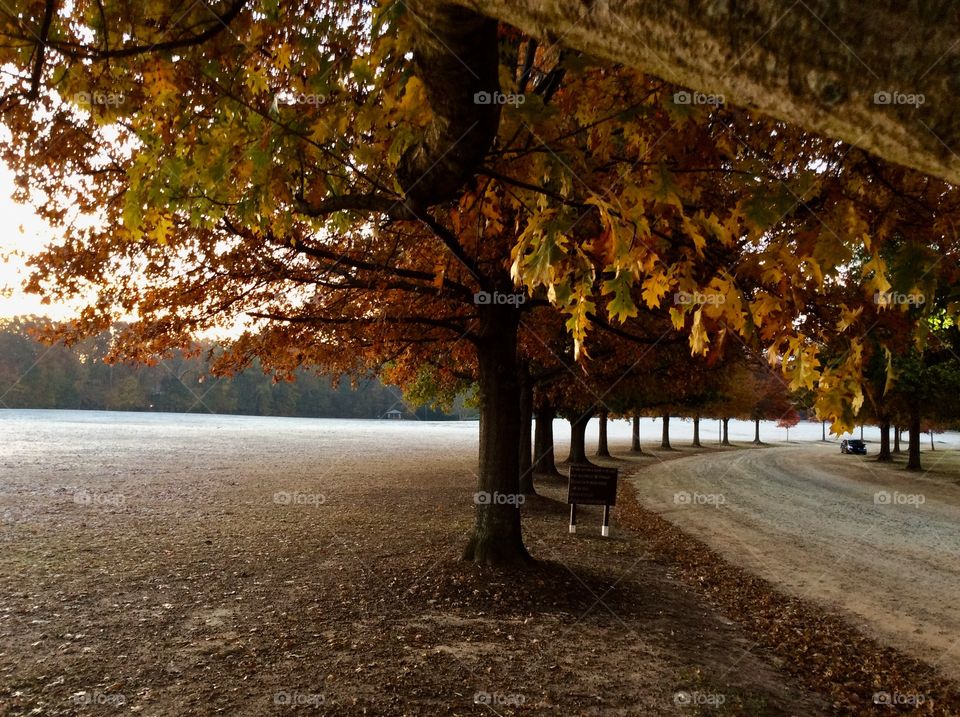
point(23, 234)
point(17, 246)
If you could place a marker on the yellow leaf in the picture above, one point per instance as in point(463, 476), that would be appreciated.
point(256, 79)
point(698, 334)
point(654, 288)
point(878, 283)
point(847, 317)
point(162, 229)
point(678, 318)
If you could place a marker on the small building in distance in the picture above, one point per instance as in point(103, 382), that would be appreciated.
point(393, 414)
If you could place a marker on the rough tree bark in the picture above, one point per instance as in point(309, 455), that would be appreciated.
point(665, 435)
point(884, 455)
point(818, 64)
point(526, 425)
point(578, 430)
point(726, 432)
point(544, 460)
point(497, 539)
point(913, 456)
point(696, 431)
point(456, 56)
point(635, 446)
point(603, 450)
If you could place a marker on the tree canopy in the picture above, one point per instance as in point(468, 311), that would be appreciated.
point(367, 197)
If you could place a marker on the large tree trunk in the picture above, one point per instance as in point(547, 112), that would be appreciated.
point(803, 63)
point(497, 539)
point(897, 430)
point(603, 450)
point(665, 436)
point(913, 459)
point(456, 57)
point(696, 432)
point(635, 446)
point(526, 424)
point(726, 432)
point(578, 430)
point(884, 454)
point(543, 455)
point(756, 431)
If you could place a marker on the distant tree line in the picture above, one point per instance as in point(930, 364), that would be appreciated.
point(35, 375)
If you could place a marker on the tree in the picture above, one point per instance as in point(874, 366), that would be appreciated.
point(354, 202)
point(830, 67)
point(37, 376)
point(772, 401)
point(635, 446)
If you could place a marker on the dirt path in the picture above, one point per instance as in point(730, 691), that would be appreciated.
point(879, 543)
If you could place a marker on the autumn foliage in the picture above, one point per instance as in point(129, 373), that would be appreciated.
point(268, 165)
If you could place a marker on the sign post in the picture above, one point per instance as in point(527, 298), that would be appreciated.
point(592, 485)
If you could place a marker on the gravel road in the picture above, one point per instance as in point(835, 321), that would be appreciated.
point(878, 544)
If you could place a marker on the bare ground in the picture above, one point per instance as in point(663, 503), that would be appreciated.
point(198, 593)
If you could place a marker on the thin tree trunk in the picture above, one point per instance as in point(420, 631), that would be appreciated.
point(823, 431)
point(897, 430)
point(526, 424)
point(696, 431)
point(931, 440)
point(884, 455)
point(861, 431)
point(913, 459)
point(635, 436)
point(756, 431)
point(603, 450)
point(726, 432)
point(578, 429)
point(497, 539)
point(544, 460)
point(665, 437)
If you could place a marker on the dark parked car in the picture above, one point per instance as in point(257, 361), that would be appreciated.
point(853, 445)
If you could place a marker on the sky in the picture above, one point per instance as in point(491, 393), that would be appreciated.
point(21, 231)
point(35, 234)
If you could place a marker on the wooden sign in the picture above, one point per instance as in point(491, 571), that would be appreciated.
point(592, 485)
